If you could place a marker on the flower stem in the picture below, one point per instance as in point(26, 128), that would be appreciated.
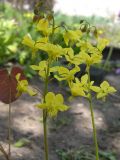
point(108, 57)
point(45, 111)
point(93, 118)
point(53, 28)
point(45, 116)
point(94, 130)
point(45, 134)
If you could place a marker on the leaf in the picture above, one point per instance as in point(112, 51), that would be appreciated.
point(22, 142)
point(8, 84)
point(107, 155)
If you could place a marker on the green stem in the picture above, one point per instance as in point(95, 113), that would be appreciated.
point(93, 118)
point(94, 130)
point(45, 135)
point(45, 111)
point(108, 57)
point(45, 116)
point(53, 28)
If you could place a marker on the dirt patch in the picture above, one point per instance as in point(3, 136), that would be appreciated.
point(69, 131)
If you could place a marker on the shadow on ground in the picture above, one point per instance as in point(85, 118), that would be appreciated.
point(70, 130)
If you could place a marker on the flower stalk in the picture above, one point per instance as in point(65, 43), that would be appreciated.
point(92, 118)
point(45, 115)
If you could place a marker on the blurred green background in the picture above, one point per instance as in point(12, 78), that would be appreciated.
point(16, 21)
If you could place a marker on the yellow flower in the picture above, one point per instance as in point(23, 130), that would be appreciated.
point(89, 55)
point(105, 89)
point(53, 104)
point(43, 26)
point(27, 40)
point(90, 59)
point(42, 40)
point(23, 87)
point(70, 57)
point(54, 51)
point(42, 68)
point(72, 35)
point(87, 47)
point(78, 88)
point(66, 74)
point(81, 87)
point(102, 43)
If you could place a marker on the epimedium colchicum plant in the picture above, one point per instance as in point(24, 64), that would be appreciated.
point(89, 54)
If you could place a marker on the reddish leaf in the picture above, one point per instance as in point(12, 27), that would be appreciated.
point(8, 84)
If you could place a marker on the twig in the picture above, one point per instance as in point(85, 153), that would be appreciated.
point(4, 152)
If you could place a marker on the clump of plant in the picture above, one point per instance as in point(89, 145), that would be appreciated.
point(83, 153)
point(8, 46)
point(13, 27)
point(89, 54)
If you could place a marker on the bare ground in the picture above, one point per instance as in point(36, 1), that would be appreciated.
point(70, 130)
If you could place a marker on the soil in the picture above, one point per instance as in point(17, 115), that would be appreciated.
point(70, 130)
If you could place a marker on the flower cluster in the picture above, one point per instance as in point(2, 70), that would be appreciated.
point(88, 54)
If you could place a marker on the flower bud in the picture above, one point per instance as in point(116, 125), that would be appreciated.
point(84, 28)
point(36, 18)
point(81, 21)
point(49, 17)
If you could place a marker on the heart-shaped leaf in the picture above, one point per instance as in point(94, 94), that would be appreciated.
point(8, 84)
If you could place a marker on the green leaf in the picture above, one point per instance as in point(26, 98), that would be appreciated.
point(22, 142)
